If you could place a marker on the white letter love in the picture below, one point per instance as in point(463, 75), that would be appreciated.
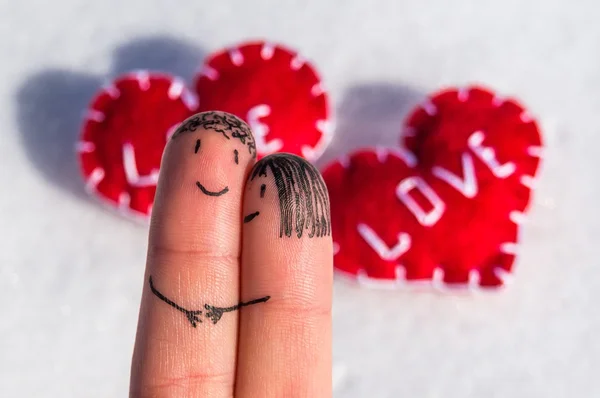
point(467, 185)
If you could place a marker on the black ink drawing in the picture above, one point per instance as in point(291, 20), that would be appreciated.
point(192, 316)
point(303, 198)
point(211, 193)
point(215, 313)
point(227, 124)
point(202, 188)
point(250, 217)
point(211, 312)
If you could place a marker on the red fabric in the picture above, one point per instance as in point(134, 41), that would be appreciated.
point(506, 124)
point(135, 115)
point(269, 76)
point(471, 235)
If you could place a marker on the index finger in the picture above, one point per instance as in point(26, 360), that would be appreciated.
point(186, 342)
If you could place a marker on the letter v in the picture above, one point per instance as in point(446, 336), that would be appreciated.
point(468, 184)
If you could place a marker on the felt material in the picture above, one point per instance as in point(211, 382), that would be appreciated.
point(440, 128)
point(448, 210)
point(275, 90)
point(123, 137)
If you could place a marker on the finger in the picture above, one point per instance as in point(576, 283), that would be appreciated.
point(186, 339)
point(287, 257)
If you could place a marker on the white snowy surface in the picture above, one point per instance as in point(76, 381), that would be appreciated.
point(71, 273)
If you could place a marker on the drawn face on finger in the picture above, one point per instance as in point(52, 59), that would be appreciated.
point(301, 193)
point(230, 127)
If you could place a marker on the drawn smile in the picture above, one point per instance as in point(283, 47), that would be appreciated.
point(211, 193)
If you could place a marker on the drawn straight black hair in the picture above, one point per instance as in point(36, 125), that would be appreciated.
point(303, 199)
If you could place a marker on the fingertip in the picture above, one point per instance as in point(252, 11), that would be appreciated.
point(201, 182)
point(291, 191)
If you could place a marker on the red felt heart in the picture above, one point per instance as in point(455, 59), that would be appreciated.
point(448, 212)
point(277, 92)
point(446, 124)
point(124, 134)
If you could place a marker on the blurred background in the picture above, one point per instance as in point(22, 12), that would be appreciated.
point(71, 272)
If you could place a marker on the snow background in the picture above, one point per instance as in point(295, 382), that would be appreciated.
point(71, 272)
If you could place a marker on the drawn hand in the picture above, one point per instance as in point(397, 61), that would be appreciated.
point(238, 285)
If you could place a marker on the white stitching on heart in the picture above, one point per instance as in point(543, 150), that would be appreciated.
point(474, 279)
point(400, 272)
point(525, 117)
point(517, 217)
point(267, 51)
point(111, 90)
point(94, 115)
point(535, 151)
point(437, 279)
point(504, 276)
point(317, 89)
point(382, 154)
point(124, 201)
point(171, 131)
point(236, 56)
point(210, 72)
point(363, 279)
point(85, 147)
point(509, 248)
point(143, 79)
point(297, 62)
point(94, 179)
point(429, 108)
point(528, 181)
point(497, 101)
point(336, 248)
point(400, 282)
point(175, 89)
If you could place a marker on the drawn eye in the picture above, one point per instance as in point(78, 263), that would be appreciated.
point(197, 148)
point(236, 156)
point(263, 188)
